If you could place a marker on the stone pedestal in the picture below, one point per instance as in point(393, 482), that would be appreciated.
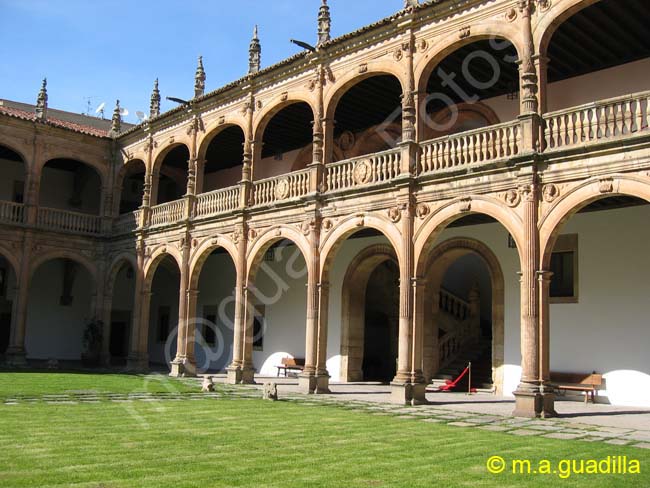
point(548, 403)
point(528, 404)
point(408, 393)
point(182, 368)
point(240, 376)
point(314, 384)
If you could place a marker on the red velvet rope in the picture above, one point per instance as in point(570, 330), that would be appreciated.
point(452, 384)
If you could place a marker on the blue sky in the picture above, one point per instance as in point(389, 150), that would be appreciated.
point(109, 49)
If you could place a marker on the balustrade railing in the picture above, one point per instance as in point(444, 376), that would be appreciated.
point(279, 188)
point(464, 331)
point(217, 202)
point(366, 170)
point(454, 305)
point(167, 213)
point(472, 147)
point(52, 218)
point(607, 119)
point(12, 212)
point(127, 222)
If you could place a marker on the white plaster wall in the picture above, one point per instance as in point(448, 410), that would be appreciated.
point(608, 330)
point(55, 331)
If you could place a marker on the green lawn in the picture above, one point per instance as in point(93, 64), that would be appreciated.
point(39, 383)
point(248, 442)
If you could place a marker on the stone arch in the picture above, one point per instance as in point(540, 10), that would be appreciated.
point(333, 241)
point(12, 146)
point(270, 237)
point(438, 261)
point(13, 261)
point(353, 307)
point(156, 258)
point(203, 252)
point(121, 177)
point(162, 153)
point(579, 197)
point(275, 107)
point(98, 168)
point(451, 42)
point(553, 18)
point(206, 140)
point(115, 267)
point(433, 226)
point(77, 257)
point(354, 77)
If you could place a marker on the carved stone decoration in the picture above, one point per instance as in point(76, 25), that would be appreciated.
point(284, 97)
point(222, 120)
point(282, 189)
point(311, 85)
point(465, 205)
point(327, 225)
point(195, 243)
point(306, 227)
point(544, 5)
point(422, 45)
point(550, 193)
point(362, 220)
point(259, 104)
point(465, 32)
point(422, 210)
point(363, 68)
point(606, 185)
point(252, 234)
point(398, 54)
point(236, 236)
point(394, 214)
point(361, 172)
point(278, 232)
point(512, 198)
point(511, 15)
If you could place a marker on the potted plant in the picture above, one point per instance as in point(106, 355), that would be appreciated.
point(92, 343)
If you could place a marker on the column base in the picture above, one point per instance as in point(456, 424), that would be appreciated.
point(528, 404)
point(548, 404)
point(15, 358)
point(408, 393)
point(311, 383)
point(182, 368)
point(236, 375)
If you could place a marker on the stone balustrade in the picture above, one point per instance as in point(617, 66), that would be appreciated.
point(472, 147)
point(167, 213)
point(368, 170)
point(127, 222)
point(595, 122)
point(12, 213)
point(55, 219)
point(217, 202)
point(453, 305)
point(280, 188)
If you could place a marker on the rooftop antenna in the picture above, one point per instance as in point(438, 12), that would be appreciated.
point(99, 110)
point(89, 104)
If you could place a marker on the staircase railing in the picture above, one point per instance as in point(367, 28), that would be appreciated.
point(465, 331)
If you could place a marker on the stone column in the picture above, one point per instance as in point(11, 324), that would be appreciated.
point(548, 395)
point(403, 389)
point(190, 341)
point(528, 397)
point(322, 375)
point(181, 365)
point(306, 379)
point(16, 352)
point(417, 354)
point(106, 332)
point(138, 359)
point(240, 371)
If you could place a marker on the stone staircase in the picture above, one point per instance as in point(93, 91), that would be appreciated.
point(480, 355)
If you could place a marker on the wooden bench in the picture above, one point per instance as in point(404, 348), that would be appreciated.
point(291, 364)
point(583, 382)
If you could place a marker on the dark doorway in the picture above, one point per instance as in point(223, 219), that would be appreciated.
point(119, 339)
point(381, 324)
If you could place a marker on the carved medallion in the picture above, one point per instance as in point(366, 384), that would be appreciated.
point(550, 192)
point(465, 32)
point(511, 15)
point(394, 214)
point(465, 205)
point(284, 97)
point(512, 198)
point(363, 68)
point(282, 189)
point(398, 55)
point(222, 120)
point(361, 172)
point(422, 45)
point(306, 227)
point(422, 210)
point(327, 225)
point(236, 236)
point(252, 234)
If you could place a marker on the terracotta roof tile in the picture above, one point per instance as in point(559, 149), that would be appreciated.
point(25, 115)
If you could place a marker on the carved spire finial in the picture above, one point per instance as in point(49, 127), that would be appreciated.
point(154, 106)
point(324, 23)
point(116, 121)
point(199, 79)
point(254, 54)
point(41, 101)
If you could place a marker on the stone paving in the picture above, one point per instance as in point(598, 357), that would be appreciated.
point(590, 423)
